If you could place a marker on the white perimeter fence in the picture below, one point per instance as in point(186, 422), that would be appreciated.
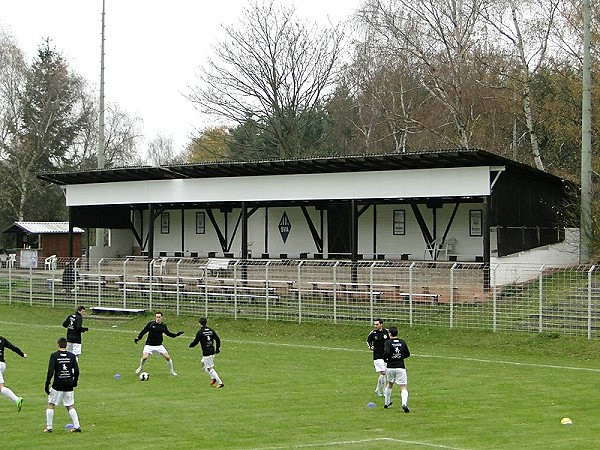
point(448, 294)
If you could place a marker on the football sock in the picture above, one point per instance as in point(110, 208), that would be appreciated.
point(49, 417)
point(214, 375)
point(74, 417)
point(142, 362)
point(9, 393)
point(170, 365)
point(404, 396)
point(381, 383)
point(387, 392)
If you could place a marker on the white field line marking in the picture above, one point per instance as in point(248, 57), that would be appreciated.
point(456, 358)
point(362, 441)
point(514, 363)
point(319, 347)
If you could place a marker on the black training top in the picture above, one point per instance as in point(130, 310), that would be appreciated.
point(209, 341)
point(74, 326)
point(65, 370)
point(395, 352)
point(375, 341)
point(155, 332)
point(4, 343)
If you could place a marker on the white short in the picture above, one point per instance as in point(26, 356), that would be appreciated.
point(67, 397)
point(150, 349)
point(208, 361)
point(2, 368)
point(379, 365)
point(74, 348)
point(397, 376)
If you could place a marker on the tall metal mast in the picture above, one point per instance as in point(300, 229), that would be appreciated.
point(586, 225)
point(101, 123)
point(101, 161)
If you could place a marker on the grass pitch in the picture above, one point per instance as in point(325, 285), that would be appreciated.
point(304, 386)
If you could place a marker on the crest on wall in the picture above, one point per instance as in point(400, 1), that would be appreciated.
point(284, 227)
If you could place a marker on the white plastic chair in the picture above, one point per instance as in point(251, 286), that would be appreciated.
point(3, 260)
point(159, 265)
point(50, 262)
point(12, 259)
point(450, 246)
point(436, 250)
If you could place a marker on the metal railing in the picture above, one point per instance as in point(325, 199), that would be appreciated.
point(445, 294)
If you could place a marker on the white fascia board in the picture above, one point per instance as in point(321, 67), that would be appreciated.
point(419, 183)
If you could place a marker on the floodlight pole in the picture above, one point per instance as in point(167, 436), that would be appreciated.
point(101, 121)
point(586, 226)
point(101, 162)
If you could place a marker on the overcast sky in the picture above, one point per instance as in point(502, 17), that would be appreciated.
point(152, 48)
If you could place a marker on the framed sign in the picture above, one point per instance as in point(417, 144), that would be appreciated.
point(475, 222)
point(200, 223)
point(398, 225)
point(165, 223)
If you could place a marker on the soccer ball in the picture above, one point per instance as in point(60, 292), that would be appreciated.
point(144, 376)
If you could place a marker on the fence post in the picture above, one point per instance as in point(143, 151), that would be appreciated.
point(177, 289)
point(410, 293)
point(125, 282)
point(494, 299)
point(298, 279)
point(206, 293)
point(53, 294)
point(151, 279)
point(371, 297)
point(30, 286)
point(452, 269)
point(589, 302)
point(99, 280)
point(9, 284)
point(541, 298)
point(235, 295)
point(335, 291)
point(76, 293)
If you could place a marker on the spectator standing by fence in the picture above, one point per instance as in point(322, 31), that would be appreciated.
point(69, 276)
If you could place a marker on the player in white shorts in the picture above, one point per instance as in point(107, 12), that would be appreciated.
point(211, 345)
point(154, 341)
point(151, 349)
point(6, 391)
point(63, 373)
point(395, 352)
point(375, 341)
point(74, 326)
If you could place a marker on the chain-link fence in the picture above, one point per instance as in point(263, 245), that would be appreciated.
point(460, 295)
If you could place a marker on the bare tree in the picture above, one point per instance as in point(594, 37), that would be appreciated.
point(387, 96)
point(270, 69)
point(13, 71)
point(440, 39)
point(160, 151)
point(527, 26)
point(121, 136)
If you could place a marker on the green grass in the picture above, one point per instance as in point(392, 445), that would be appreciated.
point(291, 385)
